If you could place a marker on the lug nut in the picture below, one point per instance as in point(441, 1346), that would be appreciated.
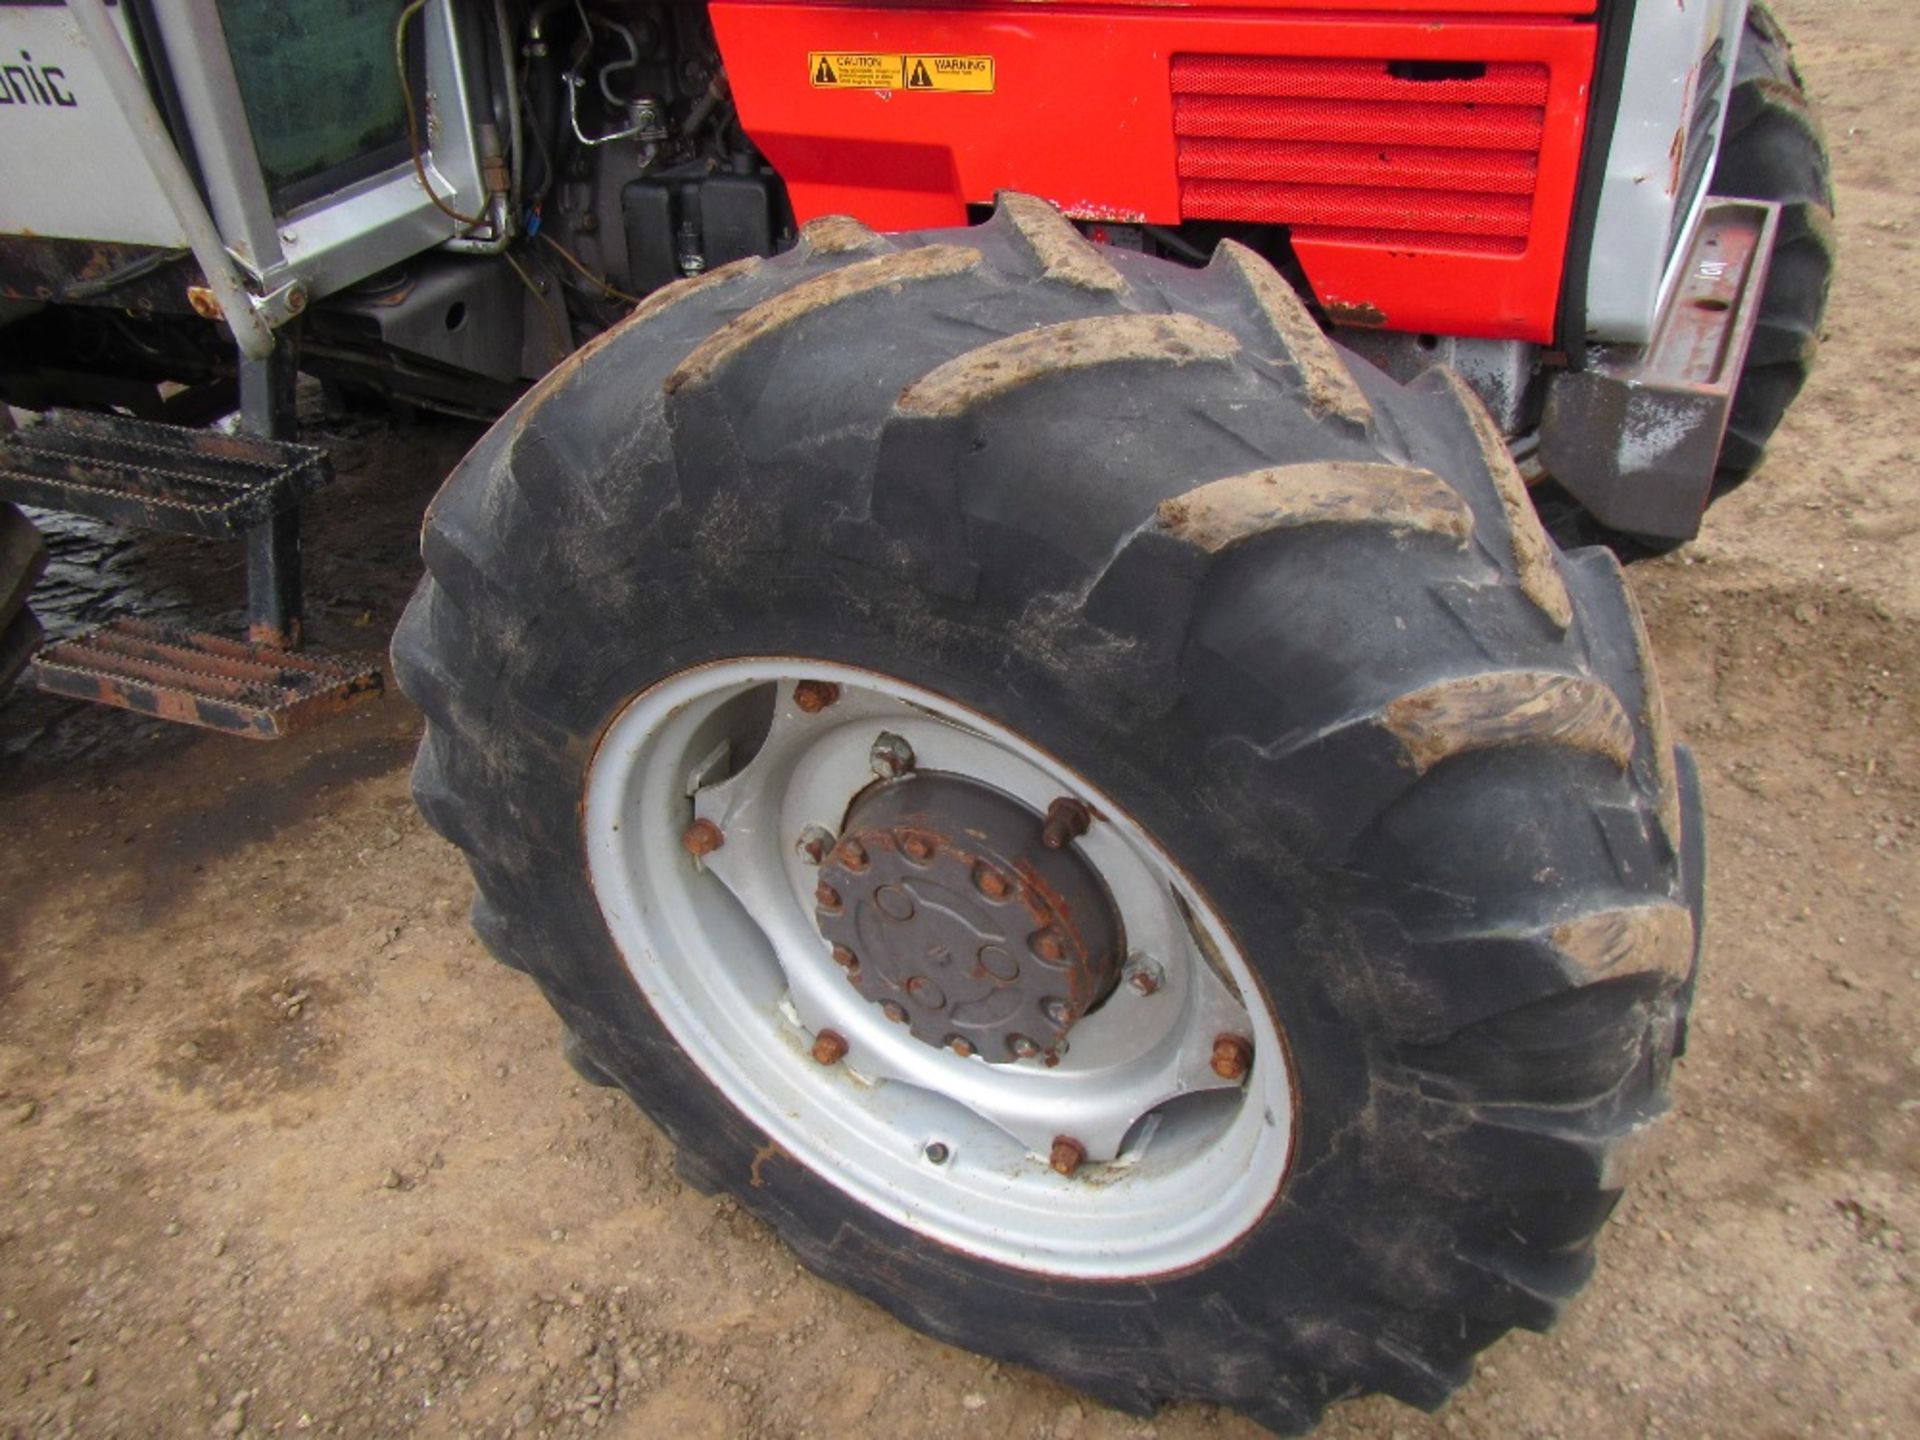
point(814, 843)
point(891, 756)
point(1022, 1047)
point(1145, 976)
point(702, 837)
point(1059, 1011)
point(845, 958)
point(1232, 1057)
point(829, 1047)
point(991, 883)
point(1067, 1155)
point(894, 1011)
point(1047, 945)
point(916, 847)
point(813, 696)
point(1067, 819)
point(826, 897)
point(960, 1046)
point(852, 855)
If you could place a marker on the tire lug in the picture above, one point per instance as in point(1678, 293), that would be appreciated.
point(1046, 944)
point(1232, 1056)
point(1022, 1047)
point(702, 837)
point(814, 844)
point(1067, 820)
point(891, 756)
point(846, 959)
point(813, 696)
point(1145, 976)
point(1067, 1156)
point(1059, 1012)
point(829, 1047)
point(853, 855)
point(960, 1046)
point(827, 898)
point(894, 1011)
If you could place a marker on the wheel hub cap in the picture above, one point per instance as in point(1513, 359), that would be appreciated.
point(947, 910)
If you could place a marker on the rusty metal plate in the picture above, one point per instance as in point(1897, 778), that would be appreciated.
point(254, 691)
point(156, 477)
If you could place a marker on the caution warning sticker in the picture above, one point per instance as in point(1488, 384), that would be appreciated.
point(831, 70)
point(961, 74)
point(969, 74)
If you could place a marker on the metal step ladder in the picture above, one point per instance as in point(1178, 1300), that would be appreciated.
point(203, 483)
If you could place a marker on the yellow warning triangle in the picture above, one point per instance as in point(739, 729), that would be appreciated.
point(824, 75)
point(919, 80)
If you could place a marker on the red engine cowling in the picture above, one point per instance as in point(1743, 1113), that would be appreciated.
point(1424, 153)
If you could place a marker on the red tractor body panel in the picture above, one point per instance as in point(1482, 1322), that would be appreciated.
point(1424, 154)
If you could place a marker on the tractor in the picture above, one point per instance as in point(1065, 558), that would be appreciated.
point(1035, 658)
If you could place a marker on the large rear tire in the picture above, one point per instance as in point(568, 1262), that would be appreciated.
point(1055, 519)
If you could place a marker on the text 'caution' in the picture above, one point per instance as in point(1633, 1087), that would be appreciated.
point(926, 74)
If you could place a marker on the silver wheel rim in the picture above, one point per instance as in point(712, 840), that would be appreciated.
point(1181, 1161)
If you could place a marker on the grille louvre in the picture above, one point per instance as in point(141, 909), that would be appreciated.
point(1363, 151)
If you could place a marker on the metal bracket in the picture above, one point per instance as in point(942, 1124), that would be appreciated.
point(1635, 437)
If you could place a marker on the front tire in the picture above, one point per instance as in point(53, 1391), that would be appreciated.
point(1292, 626)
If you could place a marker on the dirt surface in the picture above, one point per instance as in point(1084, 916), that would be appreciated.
point(281, 1150)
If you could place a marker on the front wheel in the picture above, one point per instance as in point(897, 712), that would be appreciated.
point(1122, 841)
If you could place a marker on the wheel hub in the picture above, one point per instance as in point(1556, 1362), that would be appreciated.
point(947, 909)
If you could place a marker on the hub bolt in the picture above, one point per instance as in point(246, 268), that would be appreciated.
point(1047, 945)
point(1067, 819)
point(894, 1011)
point(960, 1046)
point(853, 855)
point(814, 843)
point(829, 1047)
point(1060, 1012)
point(991, 883)
point(1145, 976)
point(813, 696)
point(891, 756)
point(827, 898)
point(845, 958)
point(1232, 1057)
point(1022, 1047)
point(1068, 1153)
point(916, 847)
point(702, 837)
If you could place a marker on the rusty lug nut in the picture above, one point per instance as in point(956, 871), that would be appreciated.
point(845, 958)
point(1067, 1155)
point(1067, 819)
point(829, 1047)
point(894, 1011)
point(826, 897)
point(991, 883)
point(702, 837)
point(1145, 976)
point(1047, 945)
point(891, 756)
point(960, 1046)
point(814, 843)
point(813, 696)
point(1059, 1012)
point(1022, 1047)
point(852, 855)
point(1232, 1057)
point(916, 847)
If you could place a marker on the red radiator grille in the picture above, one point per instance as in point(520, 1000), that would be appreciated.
point(1363, 151)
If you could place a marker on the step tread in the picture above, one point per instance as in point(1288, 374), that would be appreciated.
point(198, 679)
point(154, 476)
